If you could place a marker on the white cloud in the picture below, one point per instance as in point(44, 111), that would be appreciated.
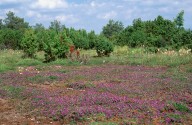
point(106, 16)
point(93, 14)
point(50, 4)
point(67, 18)
point(95, 4)
point(33, 14)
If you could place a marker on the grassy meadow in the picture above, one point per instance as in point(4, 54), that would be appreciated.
point(129, 87)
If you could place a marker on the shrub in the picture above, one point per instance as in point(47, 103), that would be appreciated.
point(103, 47)
point(29, 44)
point(51, 46)
point(64, 44)
point(9, 39)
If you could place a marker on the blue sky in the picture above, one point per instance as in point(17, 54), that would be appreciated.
point(94, 14)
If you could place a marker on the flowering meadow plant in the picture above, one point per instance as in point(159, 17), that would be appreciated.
point(118, 92)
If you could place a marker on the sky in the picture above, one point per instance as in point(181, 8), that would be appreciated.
point(94, 14)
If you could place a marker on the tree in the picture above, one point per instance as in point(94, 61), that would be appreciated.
point(186, 39)
point(38, 27)
point(10, 39)
point(39, 31)
point(179, 20)
point(29, 44)
point(65, 43)
point(1, 24)
point(56, 25)
point(138, 24)
point(92, 39)
point(51, 45)
point(112, 29)
point(124, 37)
point(79, 38)
point(14, 22)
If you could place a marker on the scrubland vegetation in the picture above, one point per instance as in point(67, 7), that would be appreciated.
point(141, 74)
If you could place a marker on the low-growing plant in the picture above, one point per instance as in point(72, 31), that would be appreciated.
point(181, 107)
point(14, 91)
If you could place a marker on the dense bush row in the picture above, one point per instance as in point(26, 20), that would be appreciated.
point(55, 41)
point(158, 33)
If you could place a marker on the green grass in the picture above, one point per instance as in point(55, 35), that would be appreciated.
point(181, 107)
point(10, 60)
point(29, 62)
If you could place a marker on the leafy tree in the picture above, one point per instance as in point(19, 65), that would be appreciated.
point(1, 24)
point(137, 38)
point(10, 39)
point(56, 25)
point(113, 28)
point(186, 39)
point(164, 28)
point(38, 27)
point(179, 20)
point(14, 22)
point(13, 28)
point(29, 44)
point(138, 24)
point(124, 37)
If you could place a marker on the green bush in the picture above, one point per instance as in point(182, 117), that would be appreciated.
point(103, 47)
point(80, 38)
point(10, 39)
point(64, 44)
point(51, 45)
point(29, 44)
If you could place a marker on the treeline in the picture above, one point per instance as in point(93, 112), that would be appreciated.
point(152, 34)
point(56, 40)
